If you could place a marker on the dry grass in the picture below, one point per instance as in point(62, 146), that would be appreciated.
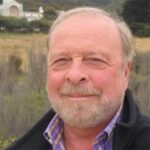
point(20, 44)
point(142, 44)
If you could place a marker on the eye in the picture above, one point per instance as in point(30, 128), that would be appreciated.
point(60, 63)
point(94, 59)
point(60, 60)
point(96, 62)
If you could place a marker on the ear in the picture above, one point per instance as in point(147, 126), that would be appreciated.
point(128, 68)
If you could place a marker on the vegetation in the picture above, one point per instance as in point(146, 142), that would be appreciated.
point(137, 15)
point(4, 142)
point(62, 4)
point(50, 13)
point(142, 44)
point(22, 94)
point(137, 11)
point(140, 81)
point(12, 24)
point(23, 98)
point(113, 5)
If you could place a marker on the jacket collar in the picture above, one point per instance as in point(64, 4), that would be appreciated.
point(124, 129)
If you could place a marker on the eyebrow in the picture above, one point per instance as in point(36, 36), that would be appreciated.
point(70, 52)
point(81, 52)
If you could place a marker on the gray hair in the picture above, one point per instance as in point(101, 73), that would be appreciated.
point(124, 31)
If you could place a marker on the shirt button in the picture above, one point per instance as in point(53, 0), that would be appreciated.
point(96, 142)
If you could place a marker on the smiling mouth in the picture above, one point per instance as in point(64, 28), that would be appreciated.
point(78, 96)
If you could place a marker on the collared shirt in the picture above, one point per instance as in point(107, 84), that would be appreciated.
point(53, 133)
point(103, 141)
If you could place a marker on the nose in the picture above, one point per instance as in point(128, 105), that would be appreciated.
point(76, 73)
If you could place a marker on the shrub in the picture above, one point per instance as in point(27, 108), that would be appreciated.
point(50, 13)
point(4, 142)
point(140, 81)
point(22, 94)
point(140, 29)
point(40, 25)
point(12, 24)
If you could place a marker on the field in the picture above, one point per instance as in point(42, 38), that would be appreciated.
point(20, 44)
point(142, 44)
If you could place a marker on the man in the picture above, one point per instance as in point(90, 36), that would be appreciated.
point(89, 63)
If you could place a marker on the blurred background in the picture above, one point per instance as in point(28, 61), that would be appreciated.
point(24, 25)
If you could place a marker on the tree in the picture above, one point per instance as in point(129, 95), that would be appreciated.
point(50, 13)
point(137, 11)
point(40, 25)
point(137, 14)
point(115, 5)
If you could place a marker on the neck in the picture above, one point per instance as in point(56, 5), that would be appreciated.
point(81, 138)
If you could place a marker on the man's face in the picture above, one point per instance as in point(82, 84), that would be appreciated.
point(86, 74)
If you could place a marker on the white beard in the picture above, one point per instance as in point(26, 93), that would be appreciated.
point(86, 113)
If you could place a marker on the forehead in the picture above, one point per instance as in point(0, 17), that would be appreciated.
point(87, 23)
point(75, 31)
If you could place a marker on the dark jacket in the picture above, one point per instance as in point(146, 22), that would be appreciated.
point(132, 133)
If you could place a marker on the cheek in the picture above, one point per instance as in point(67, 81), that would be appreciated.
point(101, 80)
point(54, 81)
point(108, 81)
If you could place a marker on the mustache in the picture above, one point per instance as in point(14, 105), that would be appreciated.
point(68, 89)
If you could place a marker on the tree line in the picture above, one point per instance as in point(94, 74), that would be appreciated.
point(135, 12)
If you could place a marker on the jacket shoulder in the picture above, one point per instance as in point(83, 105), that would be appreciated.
point(133, 132)
point(34, 138)
point(142, 133)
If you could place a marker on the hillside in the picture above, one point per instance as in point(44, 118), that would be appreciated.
point(66, 4)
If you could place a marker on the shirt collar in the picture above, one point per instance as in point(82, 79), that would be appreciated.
point(107, 131)
point(54, 131)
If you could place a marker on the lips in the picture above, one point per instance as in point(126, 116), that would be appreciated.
point(78, 96)
point(78, 92)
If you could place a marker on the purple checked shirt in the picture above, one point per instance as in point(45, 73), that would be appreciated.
point(103, 140)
